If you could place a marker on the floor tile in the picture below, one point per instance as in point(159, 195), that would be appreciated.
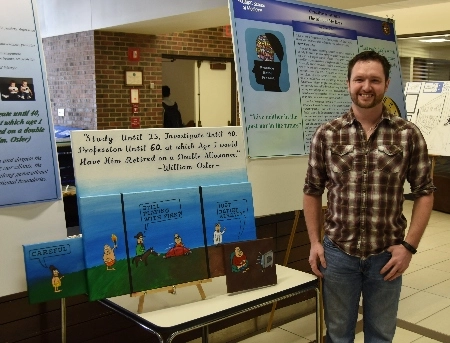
point(442, 266)
point(275, 335)
point(443, 248)
point(413, 268)
point(434, 241)
point(420, 306)
point(438, 322)
point(430, 257)
point(442, 289)
point(304, 327)
point(424, 278)
point(401, 336)
point(424, 339)
point(407, 292)
point(437, 218)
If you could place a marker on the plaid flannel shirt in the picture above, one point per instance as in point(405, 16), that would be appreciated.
point(365, 179)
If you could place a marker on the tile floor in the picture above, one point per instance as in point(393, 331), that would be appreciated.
point(424, 312)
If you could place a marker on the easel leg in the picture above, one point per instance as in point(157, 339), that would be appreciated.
point(286, 259)
point(201, 291)
point(141, 303)
point(63, 320)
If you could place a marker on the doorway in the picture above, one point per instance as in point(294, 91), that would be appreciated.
point(203, 87)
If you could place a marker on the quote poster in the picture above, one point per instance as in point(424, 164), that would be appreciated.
point(291, 63)
point(28, 162)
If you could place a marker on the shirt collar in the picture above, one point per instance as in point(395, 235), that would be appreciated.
point(349, 118)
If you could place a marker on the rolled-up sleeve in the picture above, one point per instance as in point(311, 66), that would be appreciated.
point(419, 172)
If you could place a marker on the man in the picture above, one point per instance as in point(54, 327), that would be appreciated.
point(171, 114)
point(363, 158)
point(218, 234)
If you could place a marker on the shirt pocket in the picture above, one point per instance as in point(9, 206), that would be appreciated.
point(341, 158)
point(389, 158)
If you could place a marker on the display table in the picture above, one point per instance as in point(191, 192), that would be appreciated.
point(172, 315)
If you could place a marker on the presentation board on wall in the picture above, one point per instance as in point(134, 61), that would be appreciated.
point(291, 60)
point(28, 164)
point(29, 174)
point(428, 106)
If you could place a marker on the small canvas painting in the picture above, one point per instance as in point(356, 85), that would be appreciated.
point(55, 270)
point(166, 242)
point(249, 264)
point(229, 217)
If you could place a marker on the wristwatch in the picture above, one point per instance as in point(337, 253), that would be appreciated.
point(409, 247)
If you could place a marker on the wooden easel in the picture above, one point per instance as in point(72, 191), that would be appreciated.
point(286, 259)
point(433, 162)
point(170, 289)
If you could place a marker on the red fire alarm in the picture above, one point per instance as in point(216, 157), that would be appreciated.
point(227, 31)
point(134, 54)
point(135, 122)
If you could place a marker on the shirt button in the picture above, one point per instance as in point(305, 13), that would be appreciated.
point(364, 171)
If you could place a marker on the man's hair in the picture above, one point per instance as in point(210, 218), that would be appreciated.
point(165, 91)
point(369, 55)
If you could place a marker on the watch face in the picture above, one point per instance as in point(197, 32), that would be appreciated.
point(391, 106)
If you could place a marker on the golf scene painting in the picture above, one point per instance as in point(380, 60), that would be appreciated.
point(165, 235)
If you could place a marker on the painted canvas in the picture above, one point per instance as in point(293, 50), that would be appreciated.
point(229, 217)
point(55, 270)
point(249, 264)
point(104, 245)
point(165, 238)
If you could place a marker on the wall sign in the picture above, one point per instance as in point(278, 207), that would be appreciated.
point(133, 78)
point(28, 164)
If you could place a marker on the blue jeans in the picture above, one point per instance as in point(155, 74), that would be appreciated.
point(345, 278)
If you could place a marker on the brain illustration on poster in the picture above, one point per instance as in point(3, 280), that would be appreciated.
point(266, 51)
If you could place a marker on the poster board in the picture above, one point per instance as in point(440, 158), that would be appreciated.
point(41, 214)
point(428, 106)
point(291, 60)
point(28, 161)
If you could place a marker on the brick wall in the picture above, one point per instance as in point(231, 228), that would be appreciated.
point(86, 73)
point(70, 68)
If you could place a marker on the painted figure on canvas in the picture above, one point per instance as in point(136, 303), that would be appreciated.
point(56, 278)
point(142, 254)
point(140, 247)
point(239, 262)
point(178, 249)
point(218, 234)
point(109, 256)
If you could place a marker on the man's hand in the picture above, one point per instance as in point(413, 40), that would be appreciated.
point(398, 263)
point(316, 256)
